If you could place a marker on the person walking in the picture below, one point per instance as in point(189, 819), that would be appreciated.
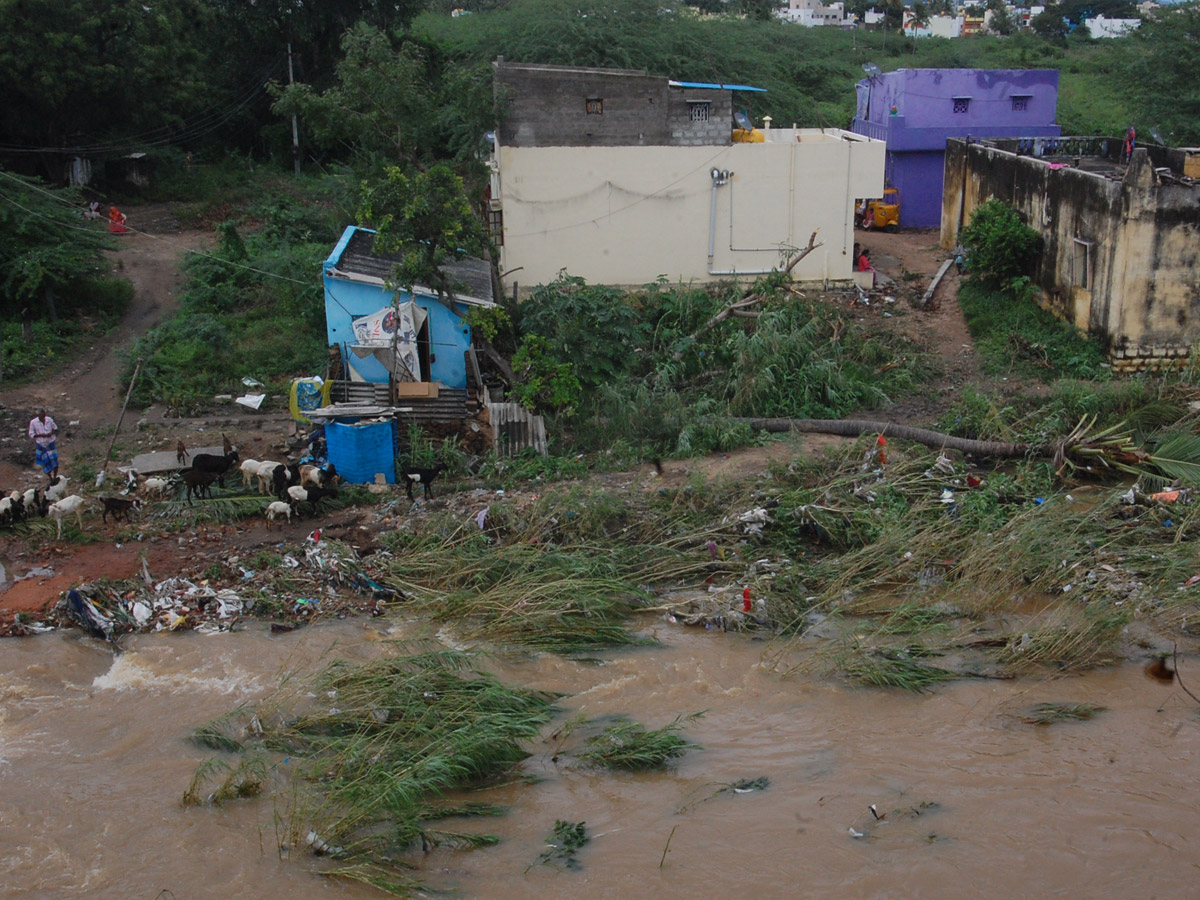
point(42, 431)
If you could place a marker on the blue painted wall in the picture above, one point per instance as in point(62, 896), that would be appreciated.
point(449, 335)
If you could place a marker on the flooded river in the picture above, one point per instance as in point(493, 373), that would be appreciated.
point(975, 803)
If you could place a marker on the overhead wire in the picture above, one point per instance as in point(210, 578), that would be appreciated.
point(135, 230)
point(201, 125)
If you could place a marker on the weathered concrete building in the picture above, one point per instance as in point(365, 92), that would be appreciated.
point(1121, 258)
point(622, 178)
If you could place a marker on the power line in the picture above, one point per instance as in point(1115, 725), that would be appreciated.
point(128, 227)
point(201, 125)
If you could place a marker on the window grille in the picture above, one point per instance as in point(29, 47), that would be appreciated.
point(962, 104)
point(594, 106)
point(698, 111)
point(1020, 103)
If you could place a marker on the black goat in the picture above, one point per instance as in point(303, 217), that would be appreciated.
point(218, 465)
point(120, 507)
point(314, 495)
point(199, 483)
point(284, 477)
point(423, 477)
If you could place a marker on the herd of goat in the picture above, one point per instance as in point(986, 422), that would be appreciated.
point(291, 484)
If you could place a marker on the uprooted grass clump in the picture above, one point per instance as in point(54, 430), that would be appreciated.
point(892, 670)
point(563, 842)
point(373, 748)
point(630, 746)
point(1049, 713)
point(935, 554)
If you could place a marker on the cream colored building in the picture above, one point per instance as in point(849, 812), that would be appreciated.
point(631, 214)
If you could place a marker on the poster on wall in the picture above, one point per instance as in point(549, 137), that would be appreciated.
point(392, 327)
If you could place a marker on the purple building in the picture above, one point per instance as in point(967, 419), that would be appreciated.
point(916, 110)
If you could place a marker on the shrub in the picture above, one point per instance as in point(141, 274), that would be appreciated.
point(1000, 246)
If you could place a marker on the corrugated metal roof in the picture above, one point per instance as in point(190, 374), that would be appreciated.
point(359, 258)
point(704, 85)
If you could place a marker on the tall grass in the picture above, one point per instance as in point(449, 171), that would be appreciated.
point(561, 574)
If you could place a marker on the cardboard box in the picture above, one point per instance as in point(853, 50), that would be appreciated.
point(426, 389)
point(1191, 162)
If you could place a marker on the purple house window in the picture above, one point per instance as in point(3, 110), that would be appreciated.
point(1020, 102)
point(962, 104)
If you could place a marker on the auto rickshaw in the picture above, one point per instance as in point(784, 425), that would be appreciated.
point(880, 214)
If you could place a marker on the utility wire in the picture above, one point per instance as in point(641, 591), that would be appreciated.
point(201, 125)
point(128, 227)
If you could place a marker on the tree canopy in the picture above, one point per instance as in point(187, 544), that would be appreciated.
point(427, 219)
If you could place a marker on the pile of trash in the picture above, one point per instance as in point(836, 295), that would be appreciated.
point(334, 582)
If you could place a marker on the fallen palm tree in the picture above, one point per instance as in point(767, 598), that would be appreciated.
point(1174, 455)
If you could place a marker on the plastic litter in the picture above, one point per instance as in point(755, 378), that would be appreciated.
point(753, 520)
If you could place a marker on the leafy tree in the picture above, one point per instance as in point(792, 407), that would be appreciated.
point(1000, 246)
point(47, 249)
point(391, 100)
point(1051, 24)
point(427, 219)
point(1161, 59)
point(95, 72)
point(378, 105)
point(1002, 22)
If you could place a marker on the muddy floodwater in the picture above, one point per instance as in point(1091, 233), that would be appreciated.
point(975, 803)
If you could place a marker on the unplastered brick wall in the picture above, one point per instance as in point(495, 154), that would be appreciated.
point(1148, 359)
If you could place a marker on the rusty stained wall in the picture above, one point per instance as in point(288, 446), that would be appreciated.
point(1142, 240)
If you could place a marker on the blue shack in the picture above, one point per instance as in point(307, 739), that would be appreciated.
point(435, 335)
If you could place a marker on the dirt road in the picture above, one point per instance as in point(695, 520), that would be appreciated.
point(84, 397)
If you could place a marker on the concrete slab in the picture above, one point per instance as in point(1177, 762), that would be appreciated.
point(165, 461)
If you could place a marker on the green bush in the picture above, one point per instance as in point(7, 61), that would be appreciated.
point(999, 245)
point(593, 328)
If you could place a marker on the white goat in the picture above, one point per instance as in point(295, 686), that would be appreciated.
point(278, 508)
point(265, 468)
point(249, 470)
point(156, 486)
point(58, 489)
point(65, 507)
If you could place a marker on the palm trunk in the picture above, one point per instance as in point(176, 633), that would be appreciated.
point(856, 427)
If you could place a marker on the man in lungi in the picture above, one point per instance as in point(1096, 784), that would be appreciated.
point(42, 431)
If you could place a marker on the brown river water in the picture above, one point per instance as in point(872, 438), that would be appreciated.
point(975, 802)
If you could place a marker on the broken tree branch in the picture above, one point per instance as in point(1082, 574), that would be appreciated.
point(748, 299)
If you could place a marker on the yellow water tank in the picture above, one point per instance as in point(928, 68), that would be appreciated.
point(753, 136)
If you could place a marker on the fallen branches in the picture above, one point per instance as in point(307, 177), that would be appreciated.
point(751, 298)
